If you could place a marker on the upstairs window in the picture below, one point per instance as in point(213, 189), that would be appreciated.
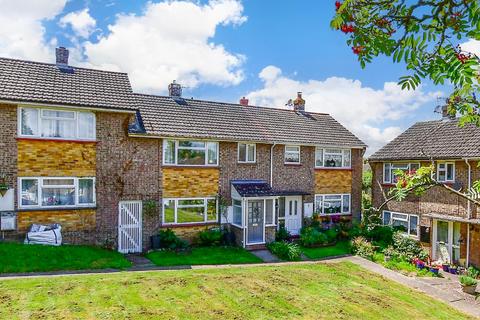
point(333, 158)
point(246, 152)
point(446, 172)
point(190, 153)
point(292, 154)
point(389, 170)
point(52, 123)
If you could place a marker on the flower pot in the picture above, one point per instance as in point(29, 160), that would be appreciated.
point(420, 265)
point(469, 289)
point(453, 270)
point(446, 267)
point(434, 270)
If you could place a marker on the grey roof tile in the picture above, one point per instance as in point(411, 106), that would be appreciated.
point(29, 81)
point(441, 139)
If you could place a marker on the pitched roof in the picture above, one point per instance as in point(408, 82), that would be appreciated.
point(166, 117)
point(441, 139)
point(29, 81)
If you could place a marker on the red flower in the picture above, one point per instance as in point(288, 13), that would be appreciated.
point(347, 28)
point(358, 49)
point(338, 4)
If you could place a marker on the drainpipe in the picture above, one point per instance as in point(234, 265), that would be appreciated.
point(469, 213)
point(271, 164)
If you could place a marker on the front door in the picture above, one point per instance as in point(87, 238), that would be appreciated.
point(446, 241)
point(293, 214)
point(256, 225)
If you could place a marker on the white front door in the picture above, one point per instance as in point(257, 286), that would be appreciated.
point(293, 214)
point(130, 226)
point(446, 241)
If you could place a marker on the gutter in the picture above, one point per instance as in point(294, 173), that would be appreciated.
point(469, 212)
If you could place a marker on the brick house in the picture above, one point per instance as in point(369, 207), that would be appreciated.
point(81, 149)
point(448, 225)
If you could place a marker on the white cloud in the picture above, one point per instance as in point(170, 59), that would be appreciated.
point(171, 40)
point(472, 46)
point(22, 34)
point(82, 23)
point(361, 109)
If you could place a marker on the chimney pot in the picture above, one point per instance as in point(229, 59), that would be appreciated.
point(299, 103)
point(175, 89)
point(244, 101)
point(61, 54)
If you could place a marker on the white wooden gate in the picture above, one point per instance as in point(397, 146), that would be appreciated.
point(130, 226)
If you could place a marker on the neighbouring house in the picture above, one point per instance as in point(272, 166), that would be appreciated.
point(445, 223)
point(81, 149)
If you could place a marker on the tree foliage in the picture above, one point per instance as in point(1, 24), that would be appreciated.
point(424, 34)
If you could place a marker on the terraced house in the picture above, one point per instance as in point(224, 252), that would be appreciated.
point(445, 223)
point(81, 149)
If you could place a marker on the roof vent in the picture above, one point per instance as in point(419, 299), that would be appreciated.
point(244, 101)
point(61, 54)
point(175, 89)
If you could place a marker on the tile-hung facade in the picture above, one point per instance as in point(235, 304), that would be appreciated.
point(445, 223)
point(81, 149)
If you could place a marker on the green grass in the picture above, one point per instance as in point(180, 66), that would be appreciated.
point(203, 255)
point(340, 248)
point(17, 257)
point(308, 291)
point(401, 266)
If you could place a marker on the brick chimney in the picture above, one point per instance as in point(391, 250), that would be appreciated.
point(174, 89)
point(61, 54)
point(299, 103)
point(244, 102)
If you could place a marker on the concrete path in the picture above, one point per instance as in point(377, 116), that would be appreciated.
point(265, 255)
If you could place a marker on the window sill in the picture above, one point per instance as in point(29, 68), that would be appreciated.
point(292, 164)
point(189, 166)
point(334, 214)
point(75, 208)
point(246, 163)
point(56, 139)
point(186, 225)
point(333, 168)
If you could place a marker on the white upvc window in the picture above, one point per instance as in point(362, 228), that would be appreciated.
point(292, 154)
point(237, 212)
point(56, 124)
point(189, 210)
point(408, 223)
point(247, 152)
point(328, 204)
point(333, 158)
point(190, 153)
point(446, 171)
point(390, 168)
point(54, 192)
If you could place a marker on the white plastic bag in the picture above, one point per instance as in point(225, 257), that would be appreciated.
point(41, 234)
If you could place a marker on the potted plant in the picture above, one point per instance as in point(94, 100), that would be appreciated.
point(469, 284)
point(420, 264)
point(453, 269)
point(445, 267)
point(434, 269)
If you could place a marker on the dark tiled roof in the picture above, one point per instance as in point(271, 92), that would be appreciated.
point(442, 139)
point(260, 188)
point(163, 116)
point(44, 83)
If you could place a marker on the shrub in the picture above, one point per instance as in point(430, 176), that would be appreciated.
point(210, 237)
point(310, 237)
point(406, 247)
point(282, 234)
point(313, 222)
point(362, 248)
point(467, 281)
point(473, 272)
point(285, 250)
point(169, 240)
point(381, 235)
point(331, 235)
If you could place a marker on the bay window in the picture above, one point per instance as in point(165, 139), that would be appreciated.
point(246, 152)
point(389, 170)
point(446, 172)
point(191, 210)
point(190, 153)
point(43, 192)
point(53, 123)
point(333, 158)
point(292, 154)
point(405, 222)
point(332, 204)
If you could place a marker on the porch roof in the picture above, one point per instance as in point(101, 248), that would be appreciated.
point(447, 217)
point(261, 188)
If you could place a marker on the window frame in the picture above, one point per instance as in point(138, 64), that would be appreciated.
point(446, 163)
point(246, 152)
point(342, 196)
point(342, 153)
point(205, 210)
point(391, 175)
point(296, 152)
point(40, 187)
point(241, 212)
point(407, 220)
point(176, 142)
point(40, 116)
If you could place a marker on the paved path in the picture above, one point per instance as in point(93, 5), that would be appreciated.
point(265, 255)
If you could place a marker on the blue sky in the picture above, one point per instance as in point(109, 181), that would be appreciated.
point(223, 50)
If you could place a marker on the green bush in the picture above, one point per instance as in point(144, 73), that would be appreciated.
point(285, 250)
point(407, 248)
point(310, 237)
point(169, 240)
point(282, 234)
point(332, 235)
point(380, 235)
point(467, 281)
point(361, 247)
point(210, 237)
point(473, 272)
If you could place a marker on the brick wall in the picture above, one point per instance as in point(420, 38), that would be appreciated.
point(8, 143)
point(71, 220)
point(184, 182)
point(333, 181)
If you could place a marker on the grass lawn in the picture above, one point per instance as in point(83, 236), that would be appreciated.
point(404, 267)
point(18, 257)
point(309, 291)
point(203, 255)
point(340, 248)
